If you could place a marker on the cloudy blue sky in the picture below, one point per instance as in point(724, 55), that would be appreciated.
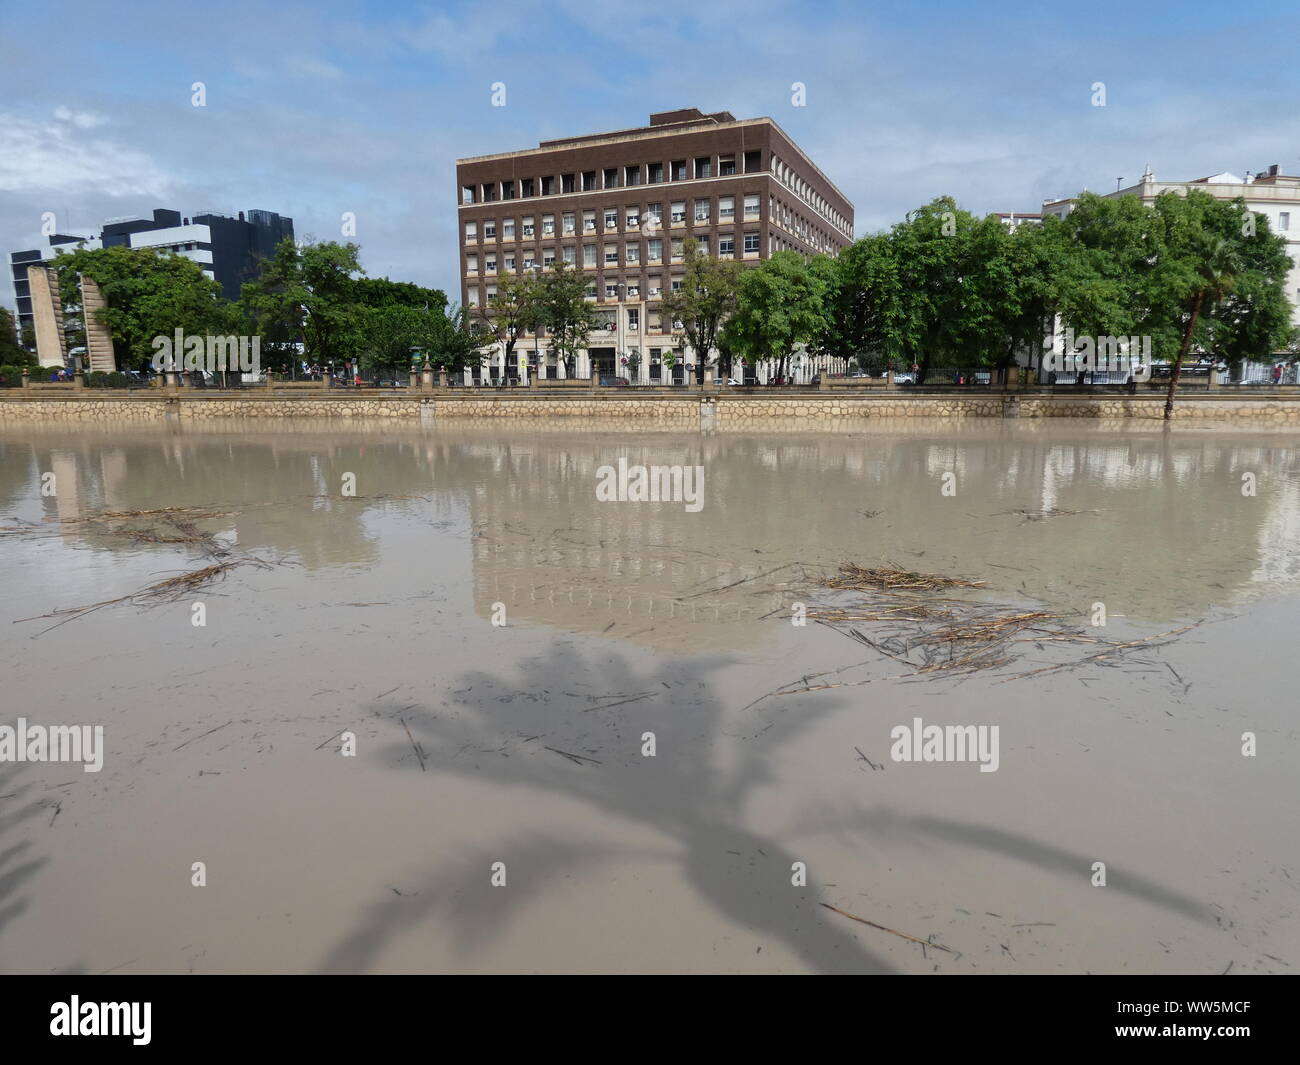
point(314, 110)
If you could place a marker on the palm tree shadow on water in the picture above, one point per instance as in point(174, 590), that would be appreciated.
point(511, 732)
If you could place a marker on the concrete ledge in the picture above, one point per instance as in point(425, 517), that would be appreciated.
point(730, 408)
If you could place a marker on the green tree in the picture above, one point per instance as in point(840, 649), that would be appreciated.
point(12, 353)
point(564, 312)
point(308, 295)
point(782, 303)
point(1191, 271)
point(148, 293)
point(516, 310)
point(456, 339)
point(704, 302)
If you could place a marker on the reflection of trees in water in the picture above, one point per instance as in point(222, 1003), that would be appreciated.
point(689, 805)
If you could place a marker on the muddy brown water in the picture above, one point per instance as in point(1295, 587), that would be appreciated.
point(523, 743)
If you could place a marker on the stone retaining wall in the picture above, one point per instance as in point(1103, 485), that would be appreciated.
point(713, 411)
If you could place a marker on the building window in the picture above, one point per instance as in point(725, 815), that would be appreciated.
point(611, 290)
point(656, 213)
point(656, 287)
point(632, 252)
point(589, 221)
point(490, 229)
point(471, 232)
point(489, 192)
point(1284, 220)
point(474, 296)
point(677, 284)
point(679, 169)
point(679, 249)
point(726, 208)
point(633, 290)
point(526, 187)
point(530, 260)
point(528, 228)
point(633, 217)
point(611, 177)
point(678, 215)
point(548, 186)
point(633, 317)
point(632, 175)
point(490, 264)
point(590, 291)
point(568, 224)
point(726, 165)
point(611, 217)
point(567, 183)
point(508, 229)
point(656, 173)
point(570, 254)
point(611, 254)
point(726, 244)
point(702, 210)
point(654, 250)
point(491, 294)
point(548, 258)
point(467, 194)
point(548, 225)
point(704, 166)
point(510, 264)
point(751, 242)
point(589, 255)
point(507, 190)
point(751, 206)
point(589, 181)
point(471, 264)
point(702, 244)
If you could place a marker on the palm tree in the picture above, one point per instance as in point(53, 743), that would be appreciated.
point(1217, 275)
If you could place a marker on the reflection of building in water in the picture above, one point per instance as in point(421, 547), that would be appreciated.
point(1153, 525)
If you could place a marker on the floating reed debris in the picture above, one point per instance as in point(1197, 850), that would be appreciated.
point(165, 591)
point(933, 634)
point(891, 579)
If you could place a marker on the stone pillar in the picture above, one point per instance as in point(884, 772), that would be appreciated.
point(78, 374)
point(47, 316)
point(1216, 379)
point(27, 377)
point(415, 379)
point(426, 379)
point(1011, 382)
point(99, 341)
point(889, 380)
point(442, 379)
point(595, 379)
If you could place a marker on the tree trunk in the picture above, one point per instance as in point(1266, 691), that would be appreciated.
point(1182, 354)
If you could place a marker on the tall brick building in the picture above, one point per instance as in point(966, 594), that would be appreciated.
point(619, 206)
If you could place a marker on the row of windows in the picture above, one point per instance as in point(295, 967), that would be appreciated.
point(607, 319)
point(609, 254)
point(647, 218)
point(792, 181)
point(780, 214)
point(612, 287)
point(613, 177)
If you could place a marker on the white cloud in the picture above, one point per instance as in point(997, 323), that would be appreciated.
point(52, 158)
point(80, 119)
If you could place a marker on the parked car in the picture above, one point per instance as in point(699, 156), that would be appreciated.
point(904, 378)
